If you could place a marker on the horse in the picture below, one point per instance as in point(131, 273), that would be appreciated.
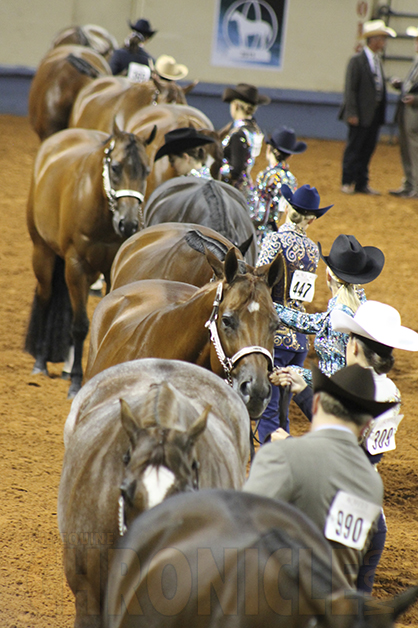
point(61, 74)
point(90, 35)
point(98, 103)
point(173, 251)
point(168, 319)
point(168, 117)
point(231, 559)
point(205, 202)
point(136, 434)
point(85, 199)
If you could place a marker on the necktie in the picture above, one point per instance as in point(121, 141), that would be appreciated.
point(377, 77)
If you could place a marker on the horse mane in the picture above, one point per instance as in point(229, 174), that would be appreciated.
point(216, 202)
point(199, 242)
point(83, 66)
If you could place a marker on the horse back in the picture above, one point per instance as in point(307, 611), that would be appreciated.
point(123, 323)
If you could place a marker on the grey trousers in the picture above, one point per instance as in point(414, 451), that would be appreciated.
point(408, 143)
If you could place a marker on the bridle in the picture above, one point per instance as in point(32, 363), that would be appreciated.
point(227, 363)
point(113, 195)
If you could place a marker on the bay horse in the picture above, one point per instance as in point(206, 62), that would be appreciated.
point(137, 433)
point(168, 117)
point(98, 103)
point(174, 251)
point(207, 202)
point(168, 319)
point(61, 74)
point(85, 200)
point(90, 35)
point(230, 559)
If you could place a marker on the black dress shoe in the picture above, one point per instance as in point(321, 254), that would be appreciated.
point(402, 192)
point(367, 190)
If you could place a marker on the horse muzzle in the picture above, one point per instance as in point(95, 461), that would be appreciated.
point(253, 386)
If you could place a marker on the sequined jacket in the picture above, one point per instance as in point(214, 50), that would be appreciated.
point(267, 195)
point(300, 253)
point(329, 344)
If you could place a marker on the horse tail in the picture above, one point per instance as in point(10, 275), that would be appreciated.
point(83, 66)
point(48, 330)
point(215, 198)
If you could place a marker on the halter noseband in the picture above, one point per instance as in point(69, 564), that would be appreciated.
point(113, 195)
point(229, 364)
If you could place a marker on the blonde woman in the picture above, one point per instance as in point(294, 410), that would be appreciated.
point(349, 265)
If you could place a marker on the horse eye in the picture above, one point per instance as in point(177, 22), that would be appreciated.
point(116, 169)
point(228, 322)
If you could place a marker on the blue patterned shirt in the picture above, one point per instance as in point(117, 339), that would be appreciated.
point(267, 195)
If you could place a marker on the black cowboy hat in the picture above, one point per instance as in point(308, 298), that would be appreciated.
point(351, 262)
point(179, 140)
point(284, 139)
point(142, 26)
point(247, 93)
point(353, 385)
point(305, 200)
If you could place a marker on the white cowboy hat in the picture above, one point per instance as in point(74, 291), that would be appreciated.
point(374, 28)
point(379, 322)
point(167, 68)
point(412, 31)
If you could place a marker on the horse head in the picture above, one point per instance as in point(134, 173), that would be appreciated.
point(125, 171)
point(169, 92)
point(161, 459)
point(242, 326)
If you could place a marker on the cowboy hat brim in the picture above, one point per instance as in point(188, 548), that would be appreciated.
point(180, 70)
point(371, 270)
point(394, 335)
point(231, 94)
point(179, 146)
point(288, 196)
point(412, 31)
point(146, 32)
point(338, 385)
point(299, 147)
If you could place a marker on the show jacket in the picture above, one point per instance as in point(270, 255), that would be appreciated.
point(308, 471)
point(360, 98)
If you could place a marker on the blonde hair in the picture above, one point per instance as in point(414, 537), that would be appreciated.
point(346, 294)
point(246, 107)
point(297, 217)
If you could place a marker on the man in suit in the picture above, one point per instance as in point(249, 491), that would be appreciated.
point(325, 473)
point(407, 120)
point(363, 107)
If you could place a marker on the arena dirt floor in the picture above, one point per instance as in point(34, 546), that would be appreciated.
point(33, 409)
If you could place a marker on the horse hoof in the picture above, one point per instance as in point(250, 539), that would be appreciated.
point(73, 390)
point(39, 371)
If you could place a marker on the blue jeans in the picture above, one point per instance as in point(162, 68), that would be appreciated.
point(270, 419)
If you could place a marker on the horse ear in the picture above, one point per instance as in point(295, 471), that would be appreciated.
point(244, 246)
point(190, 86)
point(272, 272)
point(198, 427)
point(215, 263)
point(152, 135)
point(116, 130)
point(128, 422)
point(230, 265)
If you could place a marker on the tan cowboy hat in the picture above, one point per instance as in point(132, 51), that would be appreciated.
point(167, 68)
point(374, 28)
point(412, 31)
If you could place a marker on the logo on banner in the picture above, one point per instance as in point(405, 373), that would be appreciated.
point(249, 31)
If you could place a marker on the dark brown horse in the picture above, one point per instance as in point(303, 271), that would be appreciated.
point(167, 319)
point(90, 35)
point(62, 73)
point(174, 251)
point(205, 202)
point(178, 428)
point(85, 199)
point(228, 559)
point(98, 103)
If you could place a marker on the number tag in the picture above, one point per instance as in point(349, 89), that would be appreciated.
point(138, 73)
point(302, 287)
point(349, 520)
point(382, 435)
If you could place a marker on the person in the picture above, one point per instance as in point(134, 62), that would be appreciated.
point(406, 117)
point(242, 138)
point(168, 69)
point(267, 211)
point(349, 266)
point(133, 52)
point(186, 153)
point(324, 473)
point(363, 107)
point(301, 256)
point(374, 331)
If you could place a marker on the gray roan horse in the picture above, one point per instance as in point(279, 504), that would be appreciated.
point(205, 202)
point(137, 433)
point(85, 200)
point(229, 559)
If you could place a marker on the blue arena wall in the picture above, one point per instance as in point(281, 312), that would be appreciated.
point(311, 114)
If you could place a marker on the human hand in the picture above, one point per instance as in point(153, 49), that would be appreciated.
point(287, 376)
point(396, 82)
point(279, 434)
point(408, 99)
point(353, 120)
